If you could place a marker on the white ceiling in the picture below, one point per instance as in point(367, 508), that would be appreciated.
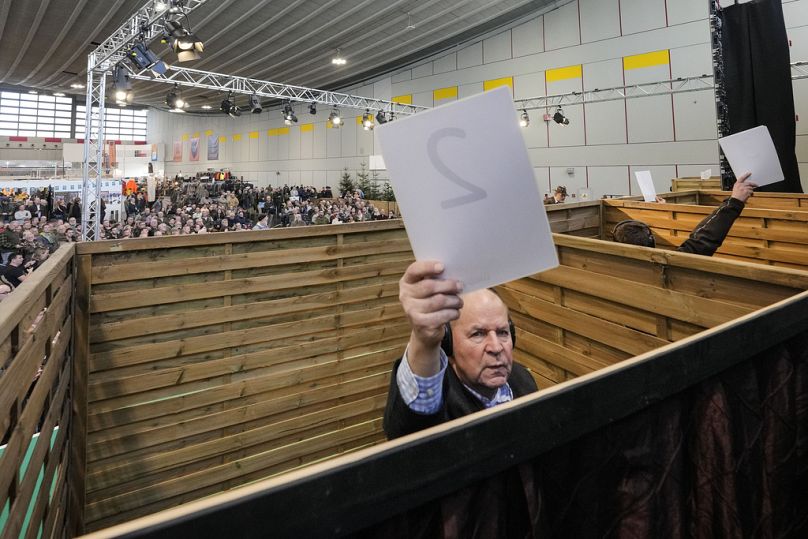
point(44, 43)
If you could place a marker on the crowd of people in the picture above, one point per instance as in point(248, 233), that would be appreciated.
point(33, 227)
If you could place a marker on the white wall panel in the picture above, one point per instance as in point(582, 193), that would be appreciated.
point(497, 48)
point(650, 119)
point(528, 85)
point(319, 146)
point(605, 122)
point(799, 43)
point(535, 134)
point(294, 142)
point(348, 132)
point(364, 142)
point(423, 70)
point(680, 11)
point(691, 61)
point(445, 64)
point(423, 99)
point(561, 27)
point(306, 144)
point(333, 141)
point(528, 38)
point(641, 15)
point(694, 115)
point(573, 182)
point(600, 19)
point(402, 76)
point(795, 13)
point(466, 90)
point(542, 175)
point(608, 181)
point(470, 56)
point(800, 88)
point(695, 170)
point(572, 134)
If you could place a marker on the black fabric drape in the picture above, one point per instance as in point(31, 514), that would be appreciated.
point(725, 458)
point(758, 80)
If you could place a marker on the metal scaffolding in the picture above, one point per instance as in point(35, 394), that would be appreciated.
point(195, 78)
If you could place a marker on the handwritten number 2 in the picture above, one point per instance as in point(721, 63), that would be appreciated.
point(475, 193)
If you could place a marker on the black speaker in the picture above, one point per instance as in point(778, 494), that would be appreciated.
point(446, 343)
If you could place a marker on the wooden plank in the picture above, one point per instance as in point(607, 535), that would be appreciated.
point(699, 311)
point(158, 324)
point(137, 298)
point(195, 240)
point(15, 305)
point(124, 271)
point(555, 354)
point(229, 471)
point(104, 477)
point(78, 415)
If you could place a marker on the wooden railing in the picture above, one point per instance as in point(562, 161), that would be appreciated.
point(686, 184)
point(41, 405)
point(218, 360)
point(763, 236)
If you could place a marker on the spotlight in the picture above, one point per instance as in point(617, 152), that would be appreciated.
point(174, 100)
point(524, 119)
point(176, 6)
point(381, 118)
point(206, 107)
point(121, 83)
point(289, 116)
point(143, 58)
point(185, 44)
point(58, 94)
point(559, 117)
point(334, 118)
point(255, 104)
point(313, 108)
point(226, 105)
point(77, 86)
point(367, 120)
point(160, 6)
point(338, 60)
point(234, 111)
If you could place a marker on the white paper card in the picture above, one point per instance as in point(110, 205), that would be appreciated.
point(376, 163)
point(646, 183)
point(707, 174)
point(753, 151)
point(466, 189)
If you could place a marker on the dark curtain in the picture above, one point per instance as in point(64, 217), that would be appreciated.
point(757, 78)
point(726, 458)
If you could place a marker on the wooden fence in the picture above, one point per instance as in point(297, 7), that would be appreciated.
point(686, 184)
point(767, 236)
point(41, 406)
point(218, 360)
point(606, 303)
point(760, 200)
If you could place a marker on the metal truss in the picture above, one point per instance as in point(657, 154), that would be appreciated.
point(93, 155)
point(147, 23)
point(664, 87)
point(799, 70)
point(195, 78)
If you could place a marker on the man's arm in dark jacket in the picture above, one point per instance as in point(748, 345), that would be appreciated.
point(708, 236)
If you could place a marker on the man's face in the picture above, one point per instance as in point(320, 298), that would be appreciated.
point(482, 345)
point(16, 260)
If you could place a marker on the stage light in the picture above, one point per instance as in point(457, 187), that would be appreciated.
point(313, 108)
point(77, 86)
point(174, 100)
point(176, 6)
point(255, 104)
point(289, 116)
point(206, 107)
point(184, 43)
point(367, 120)
point(143, 58)
point(226, 105)
point(334, 118)
point(234, 111)
point(381, 118)
point(338, 60)
point(524, 119)
point(121, 84)
point(58, 94)
point(559, 117)
point(160, 6)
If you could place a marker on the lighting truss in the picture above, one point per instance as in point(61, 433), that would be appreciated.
point(195, 78)
point(146, 21)
point(93, 155)
point(799, 70)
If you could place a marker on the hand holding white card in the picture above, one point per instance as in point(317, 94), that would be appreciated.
point(466, 189)
point(753, 151)
point(646, 183)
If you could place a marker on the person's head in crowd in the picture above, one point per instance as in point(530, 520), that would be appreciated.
point(16, 259)
point(144, 233)
point(72, 221)
point(560, 194)
point(634, 233)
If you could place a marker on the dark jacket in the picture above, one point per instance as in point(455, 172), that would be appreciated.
point(709, 234)
point(399, 420)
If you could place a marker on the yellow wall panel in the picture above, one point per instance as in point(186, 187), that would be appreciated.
point(496, 83)
point(208, 132)
point(185, 136)
point(305, 128)
point(196, 135)
point(223, 139)
point(444, 93)
point(403, 99)
point(253, 134)
point(283, 130)
point(646, 60)
point(564, 73)
point(237, 137)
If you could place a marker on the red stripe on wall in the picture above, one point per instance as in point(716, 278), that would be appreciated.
point(18, 139)
point(52, 139)
point(141, 142)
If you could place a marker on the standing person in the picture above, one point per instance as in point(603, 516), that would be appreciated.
point(74, 209)
point(459, 358)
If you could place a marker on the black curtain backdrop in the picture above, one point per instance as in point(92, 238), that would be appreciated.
point(758, 79)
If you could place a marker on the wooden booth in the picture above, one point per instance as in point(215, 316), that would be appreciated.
point(695, 182)
point(772, 229)
point(204, 363)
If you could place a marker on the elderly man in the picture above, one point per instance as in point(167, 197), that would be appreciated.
point(459, 358)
